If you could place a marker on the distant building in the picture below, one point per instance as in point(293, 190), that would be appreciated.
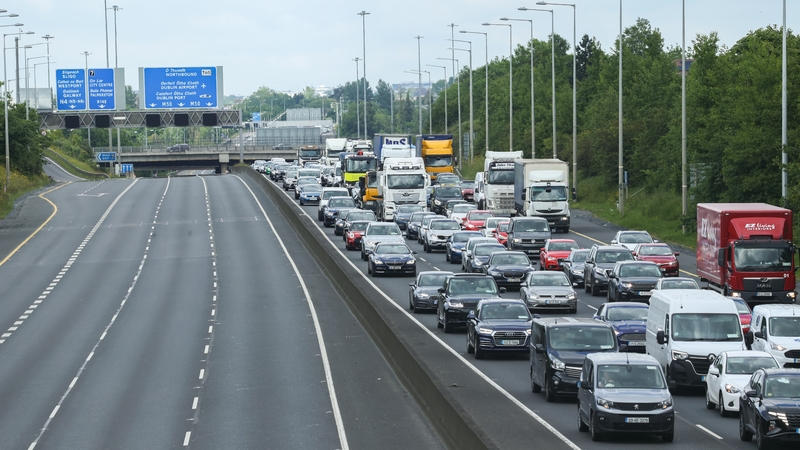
point(678, 62)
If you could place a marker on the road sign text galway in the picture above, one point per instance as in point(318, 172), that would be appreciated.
point(71, 89)
point(180, 87)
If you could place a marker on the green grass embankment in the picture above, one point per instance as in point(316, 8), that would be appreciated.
point(18, 186)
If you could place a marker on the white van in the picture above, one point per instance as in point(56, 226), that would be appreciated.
point(687, 329)
point(776, 330)
point(327, 193)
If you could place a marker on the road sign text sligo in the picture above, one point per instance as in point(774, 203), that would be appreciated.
point(71, 89)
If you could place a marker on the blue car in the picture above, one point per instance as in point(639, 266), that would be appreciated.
point(455, 245)
point(629, 321)
point(498, 326)
point(310, 193)
point(403, 214)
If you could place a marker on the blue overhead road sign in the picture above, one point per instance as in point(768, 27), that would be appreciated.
point(180, 87)
point(71, 89)
point(106, 156)
point(101, 89)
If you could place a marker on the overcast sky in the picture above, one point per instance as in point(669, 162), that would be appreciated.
point(287, 45)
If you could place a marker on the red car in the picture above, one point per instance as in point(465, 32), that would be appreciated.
point(553, 251)
point(475, 220)
point(660, 254)
point(353, 236)
point(501, 232)
point(745, 314)
point(468, 190)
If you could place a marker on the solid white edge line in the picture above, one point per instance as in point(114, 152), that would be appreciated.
point(323, 351)
point(422, 326)
point(709, 431)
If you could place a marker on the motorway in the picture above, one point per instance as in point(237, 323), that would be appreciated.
point(166, 313)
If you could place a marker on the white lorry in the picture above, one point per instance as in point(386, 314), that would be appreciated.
point(401, 182)
point(494, 188)
point(541, 190)
point(333, 147)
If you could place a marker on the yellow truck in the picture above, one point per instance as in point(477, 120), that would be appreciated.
point(437, 152)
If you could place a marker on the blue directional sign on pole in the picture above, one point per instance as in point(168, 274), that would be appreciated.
point(125, 168)
point(71, 89)
point(101, 89)
point(106, 156)
point(179, 87)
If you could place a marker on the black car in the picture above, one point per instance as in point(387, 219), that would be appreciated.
point(423, 293)
point(498, 326)
point(392, 259)
point(414, 224)
point(278, 171)
point(508, 269)
point(440, 196)
point(335, 206)
point(352, 216)
point(599, 263)
point(528, 234)
point(573, 266)
point(632, 281)
point(455, 245)
point(460, 295)
point(338, 226)
point(480, 255)
point(403, 214)
point(769, 409)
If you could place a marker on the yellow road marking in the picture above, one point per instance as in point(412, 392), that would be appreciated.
point(55, 210)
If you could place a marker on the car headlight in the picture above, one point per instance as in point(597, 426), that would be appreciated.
point(533, 296)
point(731, 389)
point(600, 271)
point(572, 296)
point(576, 270)
point(679, 356)
point(665, 404)
point(456, 305)
point(478, 262)
point(377, 261)
point(673, 263)
point(437, 203)
point(411, 262)
point(485, 330)
point(627, 285)
point(528, 331)
point(328, 213)
point(777, 347)
point(604, 403)
point(517, 240)
point(557, 364)
point(551, 258)
point(494, 273)
point(423, 295)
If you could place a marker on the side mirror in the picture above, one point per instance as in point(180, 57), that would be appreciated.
point(441, 290)
point(655, 241)
point(661, 338)
point(411, 284)
point(471, 315)
point(748, 339)
point(413, 252)
point(503, 290)
point(759, 334)
point(614, 242)
point(539, 348)
point(596, 317)
point(751, 393)
point(713, 371)
point(677, 253)
point(673, 384)
point(722, 256)
point(523, 194)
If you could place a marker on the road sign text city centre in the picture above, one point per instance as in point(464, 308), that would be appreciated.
point(101, 89)
point(77, 90)
point(180, 87)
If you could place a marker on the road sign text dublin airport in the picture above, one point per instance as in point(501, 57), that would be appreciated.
point(180, 87)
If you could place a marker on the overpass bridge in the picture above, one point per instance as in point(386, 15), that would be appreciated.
point(217, 157)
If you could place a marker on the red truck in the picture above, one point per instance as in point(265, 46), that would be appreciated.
point(745, 250)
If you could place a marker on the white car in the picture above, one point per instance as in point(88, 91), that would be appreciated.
point(776, 330)
point(676, 283)
point(460, 211)
point(631, 239)
point(729, 374)
point(491, 224)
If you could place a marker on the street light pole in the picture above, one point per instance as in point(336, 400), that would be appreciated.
point(430, 103)
point(533, 115)
point(363, 15)
point(27, 88)
point(486, 94)
point(471, 104)
point(445, 93)
point(358, 114)
point(419, 82)
point(784, 120)
point(684, 185)
point(116, 55)
point(105, 14)
point(621, 178)
point(458, 90)
point(510, 83)
point(47, 38)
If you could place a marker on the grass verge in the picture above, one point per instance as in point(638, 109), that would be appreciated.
point(19, 185)
point(83, 165)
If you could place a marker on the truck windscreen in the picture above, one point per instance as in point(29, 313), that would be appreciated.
point(500, 177)
point(360, 165)
point(438, 161)
point(315, 153)
point(411, 181)
point(555, 194)
point(760, 258)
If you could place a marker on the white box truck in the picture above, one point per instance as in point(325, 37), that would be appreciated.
point(541, 189)
point(334, 146)
point(401, 182)
point(494, 189)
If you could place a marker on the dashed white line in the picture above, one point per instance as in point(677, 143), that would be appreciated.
point(709, 431)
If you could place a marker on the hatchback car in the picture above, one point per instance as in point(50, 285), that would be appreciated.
point(728, 375)
point(629, 321)
point(309, 193)
point(573, 266)
point(548, 291)
point(660, 254)
point(460, 211)
point(491, 223)
point(554, 251)
point(423, 293)
point(508, 269)
point(476, 219)
point(468, 189)
point(378, 233)
point(403, 214)
point(471, 243)
point(498, 326)
point(352, 239)
point(480, 254)
point(500, 232)
point(392, 259)
point(631, 239)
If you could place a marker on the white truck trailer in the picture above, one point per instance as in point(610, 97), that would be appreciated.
point(541, 190)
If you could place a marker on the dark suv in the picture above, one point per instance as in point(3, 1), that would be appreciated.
point(768, 407)
point(441, 194)
point(528, 234)
point(599, 263)
point(460, 295)
point(633, 281)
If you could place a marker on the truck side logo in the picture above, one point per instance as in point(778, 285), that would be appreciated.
point(759, 226)
point(396, 141)
point(707, 231)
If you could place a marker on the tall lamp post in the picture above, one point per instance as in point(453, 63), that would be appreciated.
point(621, 175)
point(471, 110)
point(552, 68)
point(445, 93)
point(27, 87)
point(358, 113)
point(363, 15)
point(533, 115)
point(47, 38)
point(430, 102)
point(784, 120)
point(458, 90)
point(486, 94)
point(419, 82)
point(5, 102)
point(574, 96)
point(510, 83)
point(116, 55)
point(684, 185)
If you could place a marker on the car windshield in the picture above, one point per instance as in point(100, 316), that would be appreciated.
point(634, 238)
point(471, 243)
point(480, 216)
point(626, 313)
point(763, 259)
point(311, 187)
point(438, 161)
point(358, 226)
point(503, 227)
point(448, 178)
point(505, 311)
point(281, 166)
point(310, 153)
point(640, 270)
point(444, 225)
point(746, 365)
point(679, 284)
point(417, 217)
point(531, 225)
point(308, 173)
point(562, 246)
point(463, 208)
point(579, 256)
point(467, 184)
point(341, 203)
point(782, 386)
point(292, 171)
point(548, 279)
point(463, 237)
point(307, 180)
point(784, 326)
point(407, 209)
point(360, 165)
point(486, 250)
point(410, 181)
point(510, 260)
point(361, 215)
point(614, 256)
point(706, 327)
point(448, 191)
point(343, 216)
point(741, 306)
point(578, 338)
point(328, 194)
point(427, 220)
point(384, 230)
point(655, 250)
point(630, 376)
point(555, 194)
point(392, 250)
point(472, 286)
point(433, 279)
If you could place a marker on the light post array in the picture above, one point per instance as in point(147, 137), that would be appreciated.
point(458, 90)
point(533, 115)
point(445, 93)
point(486, 76)
point(471, 116)
point(5, 101)
point(510, 82)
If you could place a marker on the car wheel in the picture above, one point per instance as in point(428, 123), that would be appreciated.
point(439, 321)
point(363, 256)
point(301, 202)
point(586, 285)
point(540, 266)
point(411, 303)
point(369, 269)
point(470, 348)
point(479, 353)
point(709, 403)
point(447, 256)
point(608, 294)
point(582, 427)
point(593, 429)
point(447, 328)
point(549, 394)
point(744, 433)
point(319, 215)
point(595, 290)
point(427, 248)
point(761, 440)
point(722, 411)
point(535, 388)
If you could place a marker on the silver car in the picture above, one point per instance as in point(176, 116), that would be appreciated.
point(437, 233)
point(379, 233)
point(545, 290)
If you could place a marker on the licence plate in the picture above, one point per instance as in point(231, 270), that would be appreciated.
point(763, 294)
point(514, 280)
point(637, 343)
point(394, 267)
point(552, 302)
point(637, 420)
point(507, 342)
point(645, 293)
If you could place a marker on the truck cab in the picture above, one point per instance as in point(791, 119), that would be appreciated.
point(541, 190)
point(437, 152)
point(368, 191)
point(356, 166)
point(403, 181)
point(309, 153)
point(498, 182)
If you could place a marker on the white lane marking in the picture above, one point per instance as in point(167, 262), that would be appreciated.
point(337, 414)
point(186, 438)
point(436, 338)
point(105, 330)
point(590, 306)
point(709, 431)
